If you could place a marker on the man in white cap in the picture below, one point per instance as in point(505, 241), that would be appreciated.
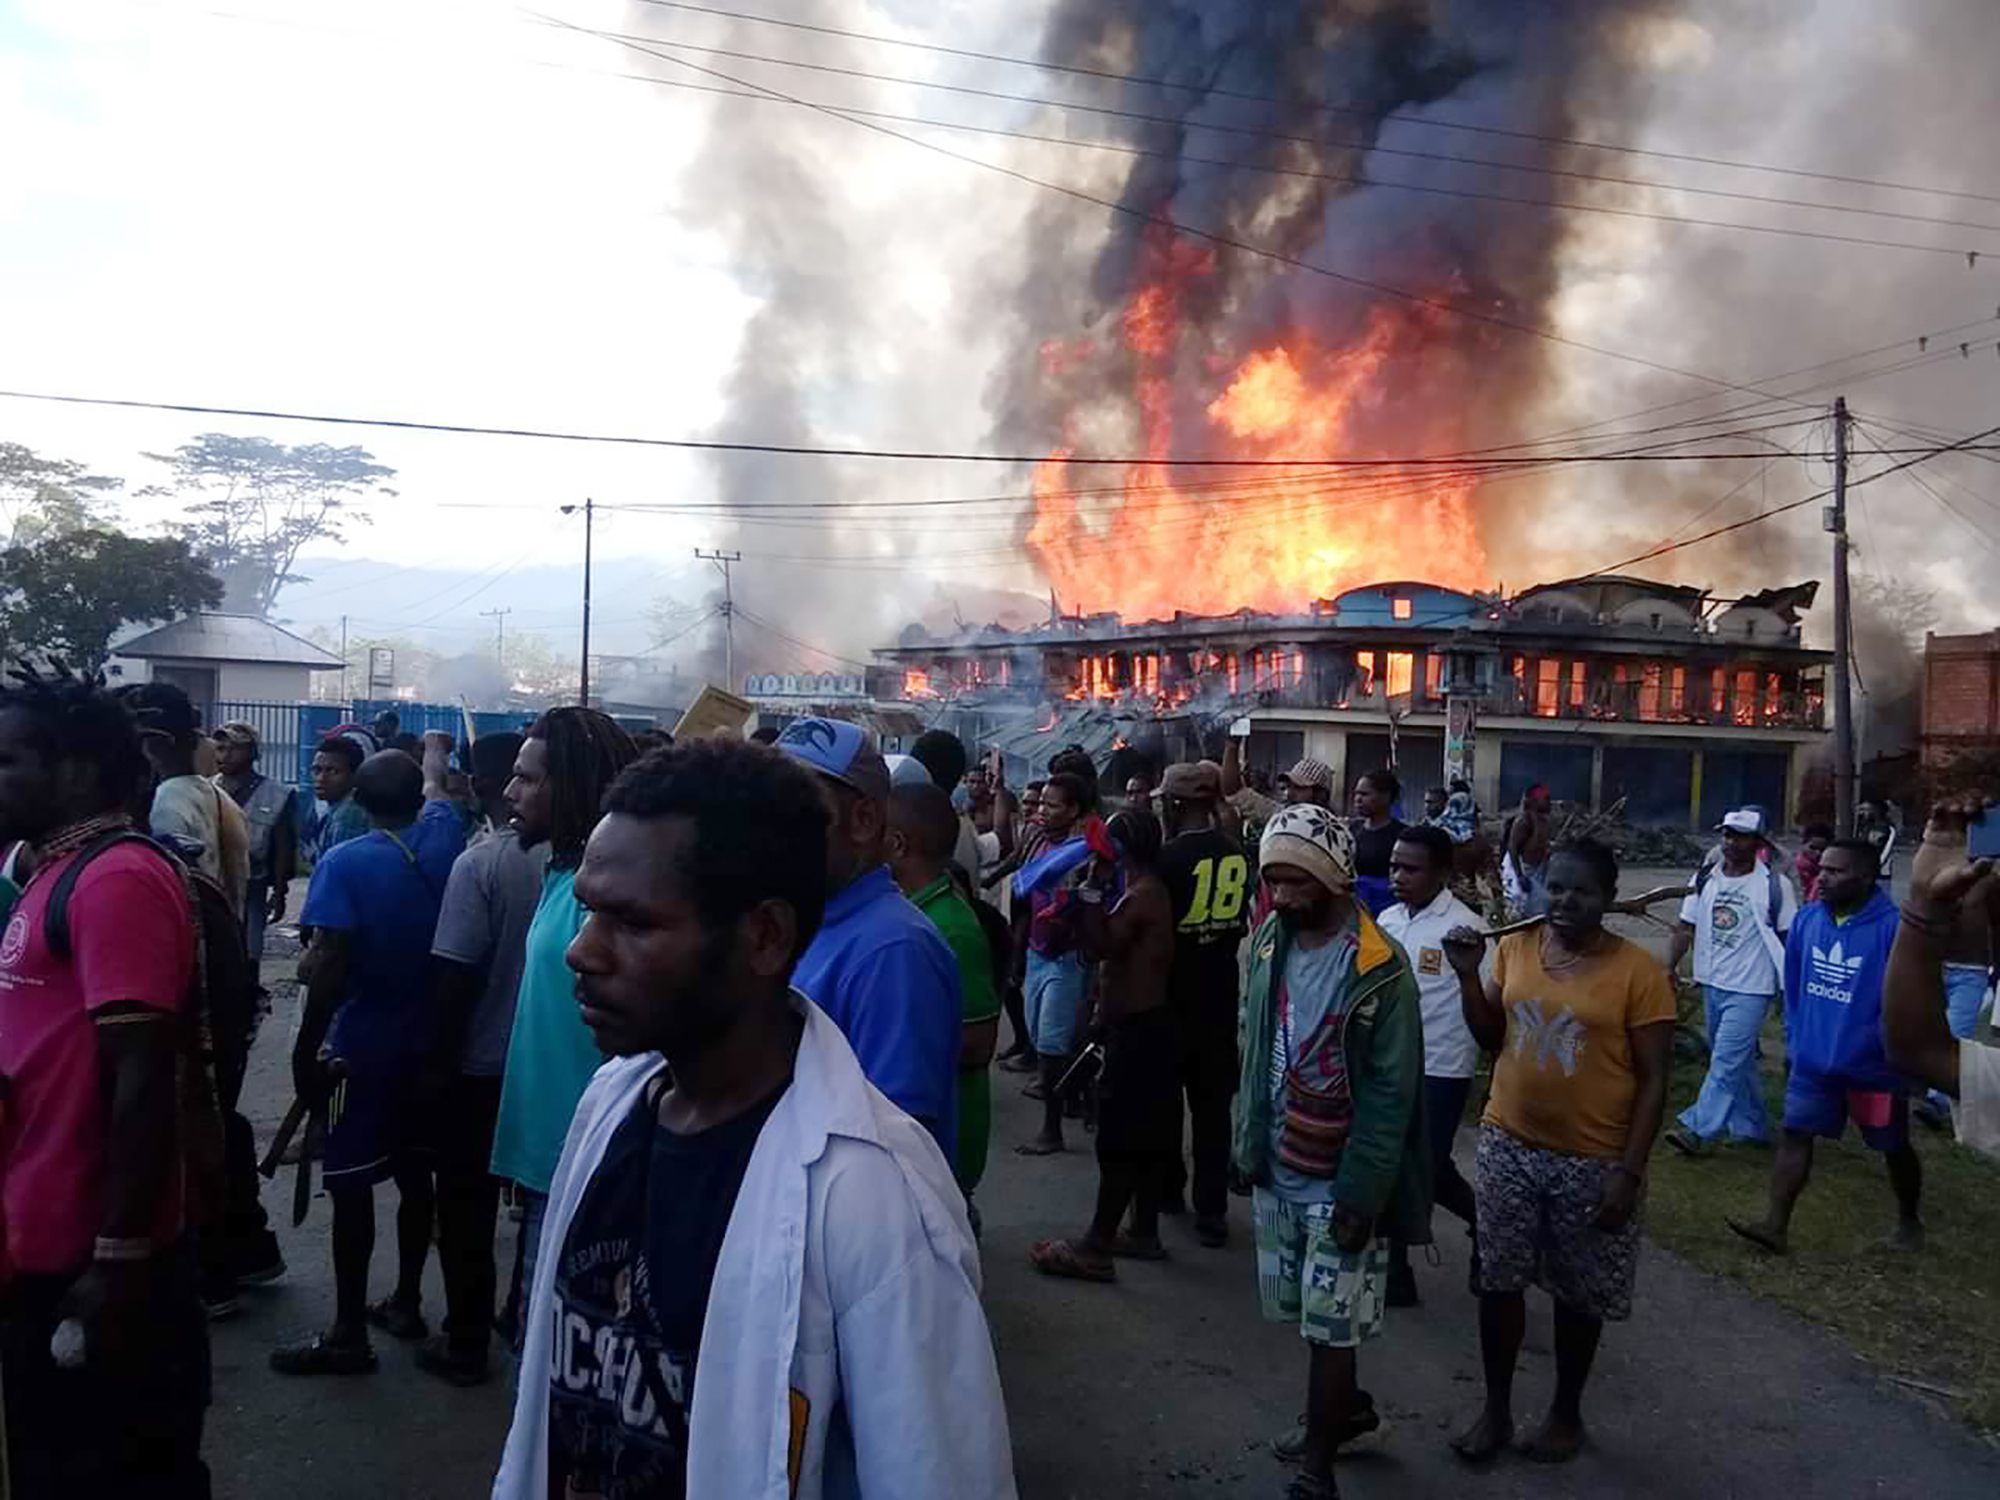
point(1329, 1126)
point(1735, 918)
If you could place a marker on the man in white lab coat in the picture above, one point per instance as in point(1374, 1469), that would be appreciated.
point(757, 1277)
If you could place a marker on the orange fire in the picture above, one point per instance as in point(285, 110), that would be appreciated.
point(1213, 541)
point(917, 684)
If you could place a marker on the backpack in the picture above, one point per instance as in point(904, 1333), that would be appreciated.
point(1775, 881)
point(222, 1004)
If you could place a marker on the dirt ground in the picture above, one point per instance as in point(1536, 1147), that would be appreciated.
point(1167, 1384)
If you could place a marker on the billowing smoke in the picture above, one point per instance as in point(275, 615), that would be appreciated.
point(1315, 94)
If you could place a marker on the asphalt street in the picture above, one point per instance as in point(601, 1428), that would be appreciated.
point(1166, 1384)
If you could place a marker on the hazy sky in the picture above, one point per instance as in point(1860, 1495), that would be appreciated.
point(446, 209)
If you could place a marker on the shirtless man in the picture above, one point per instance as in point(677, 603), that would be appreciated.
point(1528, 852)
point(1139, 1118)
point(1968, 959)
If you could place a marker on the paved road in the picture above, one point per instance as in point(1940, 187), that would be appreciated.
point(1168, 1385)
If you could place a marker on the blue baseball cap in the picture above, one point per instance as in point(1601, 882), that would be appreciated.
point(839, 751)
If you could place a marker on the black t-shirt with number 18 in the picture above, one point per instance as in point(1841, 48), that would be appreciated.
point(631, 1296)
point(1208, 877)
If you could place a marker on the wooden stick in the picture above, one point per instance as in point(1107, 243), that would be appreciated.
point(1631, 906)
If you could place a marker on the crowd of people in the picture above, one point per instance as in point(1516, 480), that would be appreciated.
point(723, 1021)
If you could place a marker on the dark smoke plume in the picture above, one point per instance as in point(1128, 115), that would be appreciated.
point(1335, 73)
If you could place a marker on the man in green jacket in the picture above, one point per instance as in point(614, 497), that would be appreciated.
point(923, 829)
point(1328, 1126)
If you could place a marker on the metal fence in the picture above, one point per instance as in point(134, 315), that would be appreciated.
point(290, 732)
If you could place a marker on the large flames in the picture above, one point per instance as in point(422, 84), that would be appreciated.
point(1215, 540)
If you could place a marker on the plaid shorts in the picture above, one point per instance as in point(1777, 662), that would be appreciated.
point(1303, 1277)
point(1534, 1210)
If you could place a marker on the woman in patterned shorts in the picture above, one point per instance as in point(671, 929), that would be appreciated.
point(1582, 1023)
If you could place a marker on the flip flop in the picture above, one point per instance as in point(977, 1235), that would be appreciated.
point(1059, 1258)
point(1759, 1237)
point(1127, 1248)
point(1038, 1148)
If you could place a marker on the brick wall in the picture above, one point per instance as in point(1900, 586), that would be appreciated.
point(1961, 692)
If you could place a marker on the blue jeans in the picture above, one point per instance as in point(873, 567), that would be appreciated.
point(1053, 990)
point(1731, 1103)
point(1964, 994)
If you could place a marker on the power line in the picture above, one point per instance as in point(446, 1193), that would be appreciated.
point(1164, 222)
point(769, 628)
point(857, 114)
point(1211, 90)
point(807, 450)
point(1778, 510)
point(1259, 133)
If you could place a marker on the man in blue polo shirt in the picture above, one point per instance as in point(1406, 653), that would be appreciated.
point(878, 966)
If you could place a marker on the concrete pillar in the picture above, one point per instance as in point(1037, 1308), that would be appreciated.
point(1694, 788)
point(1597, 777)
point(1486, 775)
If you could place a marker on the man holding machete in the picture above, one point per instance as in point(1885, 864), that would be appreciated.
point(373, 908)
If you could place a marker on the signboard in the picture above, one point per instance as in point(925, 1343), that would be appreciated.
point(715, 712)
point(381, 670)
point(1460, 733)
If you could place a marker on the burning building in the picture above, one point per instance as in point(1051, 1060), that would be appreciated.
point(1607, 689)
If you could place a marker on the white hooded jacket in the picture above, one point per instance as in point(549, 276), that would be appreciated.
point(844, 1352)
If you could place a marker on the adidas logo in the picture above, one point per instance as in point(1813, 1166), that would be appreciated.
point(1834, 973)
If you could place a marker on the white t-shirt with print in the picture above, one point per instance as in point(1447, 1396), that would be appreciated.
point(1736, 944)
point(1449, 1050)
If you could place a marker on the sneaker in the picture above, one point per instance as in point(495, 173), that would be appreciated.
point(1928, 1113)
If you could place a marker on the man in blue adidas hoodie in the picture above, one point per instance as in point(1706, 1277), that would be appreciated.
point(1835, 957)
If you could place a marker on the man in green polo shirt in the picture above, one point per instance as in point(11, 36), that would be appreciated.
point(923, 830)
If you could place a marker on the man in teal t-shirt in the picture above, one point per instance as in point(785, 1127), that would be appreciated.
point(568, 760)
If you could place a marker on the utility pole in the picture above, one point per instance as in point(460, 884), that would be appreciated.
point(589, 508)
point(1843, 634)
point(343, 658)
point(499, 619)
point(722, 560)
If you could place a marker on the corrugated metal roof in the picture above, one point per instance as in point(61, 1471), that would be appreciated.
point(220, 637)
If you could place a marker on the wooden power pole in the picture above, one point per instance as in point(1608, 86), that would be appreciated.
point(1843, 634)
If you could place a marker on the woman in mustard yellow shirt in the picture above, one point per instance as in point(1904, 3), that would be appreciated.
point(1581, 1023)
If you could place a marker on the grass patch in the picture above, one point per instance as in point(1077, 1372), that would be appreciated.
point(1932, 1318)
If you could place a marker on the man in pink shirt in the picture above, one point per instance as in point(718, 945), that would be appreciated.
point(96, 963)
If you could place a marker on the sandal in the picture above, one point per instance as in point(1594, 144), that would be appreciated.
point(398, 1319)
point(319, 1355)
point(1059, 1258)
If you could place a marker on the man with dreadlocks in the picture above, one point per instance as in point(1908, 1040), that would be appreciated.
point(568, 760)
point(94, 1027)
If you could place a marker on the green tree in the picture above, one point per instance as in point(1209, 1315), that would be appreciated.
point(42, 497)
point(68, 594)
point(254, 505)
